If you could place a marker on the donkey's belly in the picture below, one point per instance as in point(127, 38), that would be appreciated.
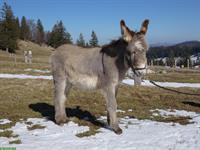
point(85, 82)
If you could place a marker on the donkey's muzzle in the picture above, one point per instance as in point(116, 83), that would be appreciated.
point(139, 71)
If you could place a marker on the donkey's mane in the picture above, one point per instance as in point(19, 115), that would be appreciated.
point(115, 47)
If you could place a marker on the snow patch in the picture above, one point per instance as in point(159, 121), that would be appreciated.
point(137, 134)
point(24, 76)
point(37, 70)
point(125, 81)
point(5, 121)
point(165, 84)
point(172, 112)
point(120, 111)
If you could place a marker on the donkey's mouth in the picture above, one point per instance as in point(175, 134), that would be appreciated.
point(138, 71)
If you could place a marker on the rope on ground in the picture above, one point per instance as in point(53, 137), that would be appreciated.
point(172, 90)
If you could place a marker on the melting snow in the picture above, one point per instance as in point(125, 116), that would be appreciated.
point(4, 121)
point(37, 70)
point(165, 84)
point(120, 111)
point(24, 76)
point(137, 134)
point(125, 81)
point(171, 112)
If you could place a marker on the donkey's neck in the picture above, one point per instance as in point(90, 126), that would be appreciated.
point(116, 50)
point(122, 66)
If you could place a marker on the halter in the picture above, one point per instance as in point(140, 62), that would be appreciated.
point(132, 67)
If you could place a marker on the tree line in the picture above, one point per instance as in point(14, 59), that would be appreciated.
point(12, 29)
point(183, 50)
point(173, 51)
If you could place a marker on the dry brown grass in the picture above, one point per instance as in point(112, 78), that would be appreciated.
point(20, 68)
point(174, 75)
point(8, 134)
point(18, 141)
point(37, 50)
point(35, 126)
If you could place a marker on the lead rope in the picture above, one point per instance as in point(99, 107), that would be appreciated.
point(172, 90)
point(162, 87)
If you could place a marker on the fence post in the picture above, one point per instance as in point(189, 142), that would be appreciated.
point(175, 63)
point(25, 57)
point(188, 63)
point(15, 58)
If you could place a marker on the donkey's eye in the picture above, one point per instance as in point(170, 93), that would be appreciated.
point(128, 52)
point(134, 52)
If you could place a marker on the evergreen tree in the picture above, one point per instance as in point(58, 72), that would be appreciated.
point(17, 27)
point(81, 41)
point(25, 30)
point(87, 44)
point(68, 37)
point(8, 29)
point(59, 35)
point(94, 40)
point(47, 36)
point(40, 32)
point(33, 30)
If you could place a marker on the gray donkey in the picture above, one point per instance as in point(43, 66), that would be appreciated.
point(98, 68)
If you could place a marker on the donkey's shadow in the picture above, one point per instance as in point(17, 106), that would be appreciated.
point(48, 112)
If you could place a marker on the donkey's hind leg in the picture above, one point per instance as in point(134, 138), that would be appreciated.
point(59, 101)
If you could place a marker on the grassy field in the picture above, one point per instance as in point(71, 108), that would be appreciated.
point(22, 99)
point(174, 75)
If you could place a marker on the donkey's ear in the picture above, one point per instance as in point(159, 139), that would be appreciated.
point(126, 33)
point(144, 27)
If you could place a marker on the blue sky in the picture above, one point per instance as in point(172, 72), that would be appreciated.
point(171, 21)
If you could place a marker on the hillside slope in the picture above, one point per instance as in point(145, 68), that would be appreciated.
point(36, 49)
point(183, 49)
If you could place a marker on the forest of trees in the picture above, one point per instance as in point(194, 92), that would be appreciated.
point(183, 50)
point(12, 29)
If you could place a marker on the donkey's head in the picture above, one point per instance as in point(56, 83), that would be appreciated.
point(137, 45)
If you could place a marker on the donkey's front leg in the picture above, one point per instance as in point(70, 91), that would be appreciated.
point(111, 109)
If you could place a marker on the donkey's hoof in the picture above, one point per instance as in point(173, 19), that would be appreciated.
point(118, 130)
point(61, 121)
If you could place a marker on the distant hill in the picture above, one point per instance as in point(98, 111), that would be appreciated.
point(40, 53)
point(189, 44)
point(161, 44)
point(36, 49)
point(184, 49)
